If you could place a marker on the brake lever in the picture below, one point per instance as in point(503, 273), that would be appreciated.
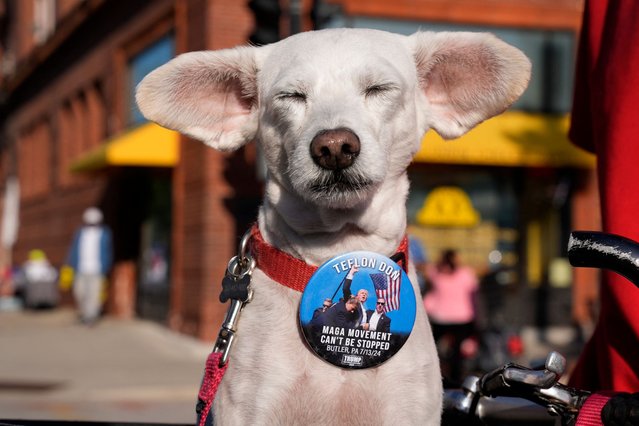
point(542, 378)
point(501, 380)
point(540, 386)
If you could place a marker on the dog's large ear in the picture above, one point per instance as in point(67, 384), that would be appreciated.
point(208, 95)
point(467, 78)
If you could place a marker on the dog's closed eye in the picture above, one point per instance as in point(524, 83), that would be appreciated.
point(379, 89)
point(292, 96)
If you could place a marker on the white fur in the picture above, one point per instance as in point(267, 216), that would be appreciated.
point(282, 95)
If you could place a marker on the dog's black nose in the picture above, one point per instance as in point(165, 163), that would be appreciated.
point(335, 149)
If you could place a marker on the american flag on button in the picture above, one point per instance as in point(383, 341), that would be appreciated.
point(387, 288)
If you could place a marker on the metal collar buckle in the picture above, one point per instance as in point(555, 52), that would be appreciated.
point(236, 287)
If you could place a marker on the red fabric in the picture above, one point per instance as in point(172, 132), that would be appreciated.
point(590, 413)
point(281, 267)
point(403, 251)
point(606, 120)
point(212, 377)
point(290, 271)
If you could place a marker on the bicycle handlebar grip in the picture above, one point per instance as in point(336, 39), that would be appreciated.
point(607, 251)
point(492, 385)
point(621, 410)
point(615, 409)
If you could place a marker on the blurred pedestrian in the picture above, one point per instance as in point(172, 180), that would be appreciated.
point(90, 256)
point(604, 121)
point(9, 300)
point(40, 281)
point(451, 308)
point(6, 282)
point(417, 254)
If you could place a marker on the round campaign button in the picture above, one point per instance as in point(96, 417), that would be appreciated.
point(357, 310)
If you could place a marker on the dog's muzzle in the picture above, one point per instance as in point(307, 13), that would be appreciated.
point(335, 152)
point(335, 149)
point(337, 183)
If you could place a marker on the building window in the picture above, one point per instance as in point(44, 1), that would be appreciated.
point(552, 54)
point(82, 127)
point(96, 116)
point(34, 160)
point(66, 143)
point(140, 65)
point(43, 20)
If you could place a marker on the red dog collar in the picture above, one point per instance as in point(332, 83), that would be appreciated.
point(292, 272)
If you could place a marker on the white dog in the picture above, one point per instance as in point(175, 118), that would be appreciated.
point(339, 115)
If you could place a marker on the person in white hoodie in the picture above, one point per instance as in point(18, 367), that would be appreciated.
point(91, 257)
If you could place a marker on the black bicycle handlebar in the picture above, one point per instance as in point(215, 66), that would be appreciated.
point(591, 249)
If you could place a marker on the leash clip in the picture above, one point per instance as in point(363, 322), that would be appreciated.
point(226, 337)
point(236, 287)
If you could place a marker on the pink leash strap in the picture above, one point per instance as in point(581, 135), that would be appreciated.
point(212, 377)
point(590, 412)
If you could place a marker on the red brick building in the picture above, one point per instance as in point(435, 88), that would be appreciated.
point(71, 135)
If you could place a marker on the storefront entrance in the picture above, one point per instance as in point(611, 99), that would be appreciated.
point(510, 224)
point(137, 206)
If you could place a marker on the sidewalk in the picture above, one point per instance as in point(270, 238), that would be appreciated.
point(53, 368)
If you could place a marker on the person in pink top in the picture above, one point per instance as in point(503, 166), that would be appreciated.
point(450, 305)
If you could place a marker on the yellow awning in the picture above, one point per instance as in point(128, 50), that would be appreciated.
point(511, 139)
point(148, 145)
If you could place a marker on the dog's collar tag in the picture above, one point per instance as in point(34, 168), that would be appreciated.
point(346, 331)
